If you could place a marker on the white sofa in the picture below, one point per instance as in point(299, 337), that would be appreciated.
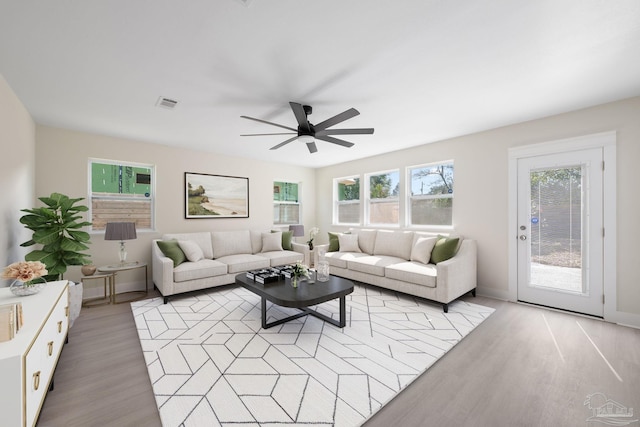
point(401, 261)
point(223, 255)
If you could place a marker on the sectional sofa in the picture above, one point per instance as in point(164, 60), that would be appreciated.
point(208, 259)
point(438, 268)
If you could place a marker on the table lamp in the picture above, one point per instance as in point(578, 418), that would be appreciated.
point(298, 230)
point(121, 231)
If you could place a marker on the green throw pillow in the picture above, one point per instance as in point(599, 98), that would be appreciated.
point(334, 243)
point(171, 249)
point(444, 249)
point(287, 236)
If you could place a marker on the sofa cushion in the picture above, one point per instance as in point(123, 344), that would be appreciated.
point(283, 257)
point(334, 242)
point(413, 272)
point(348, 243)
point(287, 236)
point(422, 247)
point(394, 243)
point(171, 249)
point(444, 249)
point(198, 270)
point(366, 239)
point(256, 241)
point(372, 264)
point(340, 259)
point(203, 239)
point(244, 262)
point(191, 250)
point(231, 243)
point(271, 241)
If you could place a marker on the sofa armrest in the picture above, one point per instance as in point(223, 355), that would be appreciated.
point(161, 270)
point(302, 248)
point(458, 275)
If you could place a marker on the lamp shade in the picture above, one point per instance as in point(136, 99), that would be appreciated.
point(298, 230)
point(120, 231)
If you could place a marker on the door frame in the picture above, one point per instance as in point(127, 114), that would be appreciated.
point(607, 142)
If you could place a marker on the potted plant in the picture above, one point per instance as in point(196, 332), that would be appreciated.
point(57, 227)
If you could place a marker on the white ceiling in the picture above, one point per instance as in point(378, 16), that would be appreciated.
point(417, 70)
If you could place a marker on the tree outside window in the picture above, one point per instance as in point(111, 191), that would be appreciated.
point(431, 199)
point(347, 200)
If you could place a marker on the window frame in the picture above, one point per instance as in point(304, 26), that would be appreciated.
point(410, 197)
point(369, 201)
point(151, 197)
point(337, 202)
point(284, 202)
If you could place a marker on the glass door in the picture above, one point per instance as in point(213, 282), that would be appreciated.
point(560, 231)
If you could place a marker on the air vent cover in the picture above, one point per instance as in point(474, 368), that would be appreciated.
point(166, 103)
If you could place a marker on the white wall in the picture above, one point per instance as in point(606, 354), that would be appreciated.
point(17, 174)
point(481, 201)
point(62, 160)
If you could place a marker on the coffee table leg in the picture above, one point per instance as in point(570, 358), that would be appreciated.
point(264, 312)
point(343, 312)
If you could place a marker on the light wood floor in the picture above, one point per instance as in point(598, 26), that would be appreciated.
point(524, 366)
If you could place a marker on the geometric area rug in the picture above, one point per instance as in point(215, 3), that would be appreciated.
point(211, 363)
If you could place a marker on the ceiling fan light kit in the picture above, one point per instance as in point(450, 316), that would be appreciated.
point(308, 133)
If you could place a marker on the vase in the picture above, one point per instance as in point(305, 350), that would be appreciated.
point(23, 289)
point(88, 270)
point(310, 246)
point(294, 281)
point(323, 271)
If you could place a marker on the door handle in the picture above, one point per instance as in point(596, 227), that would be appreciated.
point(523, 237)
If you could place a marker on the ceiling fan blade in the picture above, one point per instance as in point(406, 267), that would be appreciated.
point(359, 131)
point(338, 118)
point(301, 116)
point(275, 147)
point(312, 147)
point(269, 123)
point(334, 140)
point(267, 134)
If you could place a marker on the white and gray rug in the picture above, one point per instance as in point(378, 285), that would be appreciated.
point(211, 364)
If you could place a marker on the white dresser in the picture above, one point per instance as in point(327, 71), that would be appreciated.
point(27, 361)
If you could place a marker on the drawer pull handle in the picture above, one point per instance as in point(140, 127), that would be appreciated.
point(60, 326)
point(66, 311)
point(36, 380)
point(50, 345)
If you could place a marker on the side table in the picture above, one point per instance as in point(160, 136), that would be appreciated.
point(107, 279)
point(113, 270)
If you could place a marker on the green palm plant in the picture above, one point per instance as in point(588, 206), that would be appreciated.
point(57, 228)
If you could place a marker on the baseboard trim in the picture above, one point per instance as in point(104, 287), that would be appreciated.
point(494, 293)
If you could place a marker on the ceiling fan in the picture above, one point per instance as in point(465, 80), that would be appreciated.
point(308, 132)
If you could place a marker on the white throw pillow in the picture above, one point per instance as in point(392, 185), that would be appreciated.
point(348, 243)
point(422, 247)
point(272, 241)
point(191, 250)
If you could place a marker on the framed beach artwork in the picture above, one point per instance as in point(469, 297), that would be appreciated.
point(215, 196)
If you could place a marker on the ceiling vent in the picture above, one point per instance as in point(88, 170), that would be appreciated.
point(166, 103)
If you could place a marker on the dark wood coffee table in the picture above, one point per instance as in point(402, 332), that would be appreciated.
point(302, 297)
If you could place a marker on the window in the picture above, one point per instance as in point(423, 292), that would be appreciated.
point(346, 200)
point(383, 207)
point(121, 192)
point(431, 199)
point(286, 203)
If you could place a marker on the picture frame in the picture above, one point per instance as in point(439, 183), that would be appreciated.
point(215, 196)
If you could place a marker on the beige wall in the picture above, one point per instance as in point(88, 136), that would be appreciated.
point(17, 174)
point(481, 199)
point(62, 161)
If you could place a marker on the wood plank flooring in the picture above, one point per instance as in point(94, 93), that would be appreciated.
point(524, 366)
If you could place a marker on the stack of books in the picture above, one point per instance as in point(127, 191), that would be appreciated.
point(10, 320)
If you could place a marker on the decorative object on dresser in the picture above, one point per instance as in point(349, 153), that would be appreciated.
point(57, 227)
point(28, 277)
point(121, 231)
point(28, 361)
